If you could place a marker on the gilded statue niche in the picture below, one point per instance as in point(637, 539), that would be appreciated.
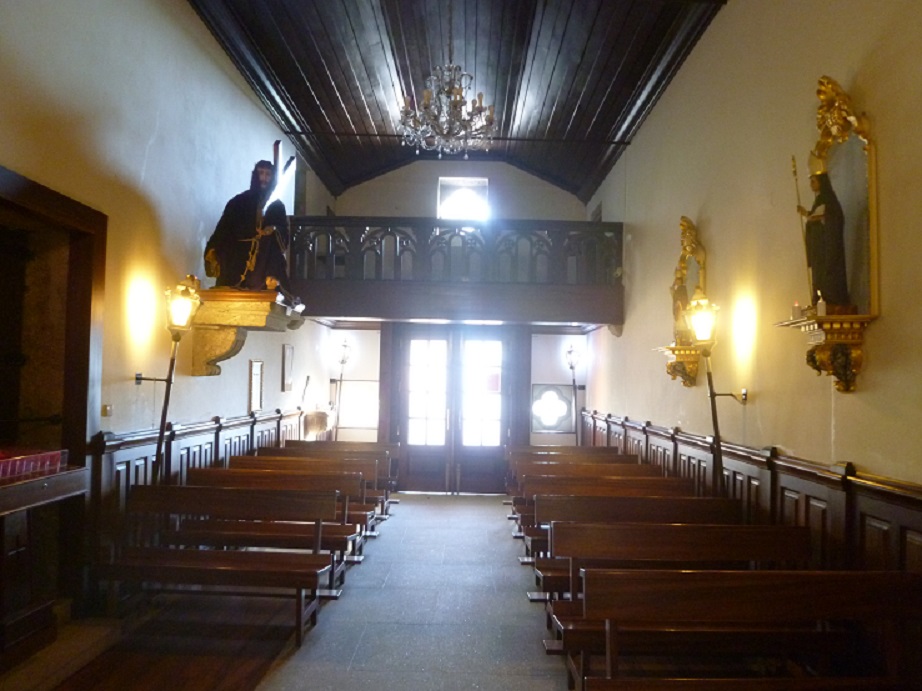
point(690, 281)
point(839, 234)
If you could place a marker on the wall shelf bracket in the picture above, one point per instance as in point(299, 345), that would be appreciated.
point(221, 324)
point(835, 345)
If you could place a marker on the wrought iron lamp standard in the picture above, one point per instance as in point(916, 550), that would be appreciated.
point(182, 303)
point(702, 319)
point(345, 351)
point(446, 122)
point(572, 362)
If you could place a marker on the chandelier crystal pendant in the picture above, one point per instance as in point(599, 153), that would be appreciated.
point(446, 122)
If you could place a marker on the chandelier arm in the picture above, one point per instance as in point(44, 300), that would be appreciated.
point(447, 122)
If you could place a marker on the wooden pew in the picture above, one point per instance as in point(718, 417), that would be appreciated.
point(344, 541)
point(364, 514)
point(524, 468)
point(548, 450)
point(552, 574)
point(139, 556)
point(388, 455)
point(377, 486)
point(630, 601)
point(533, 485)
point(654, 545)
point(546, 469)
point(565, 454)
point(750, 684)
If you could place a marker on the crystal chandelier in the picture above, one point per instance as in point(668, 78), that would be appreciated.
point(446, 122)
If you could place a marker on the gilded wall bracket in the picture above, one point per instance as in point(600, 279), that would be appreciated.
point(683, 363)
point(221, 324)
point(836, 346)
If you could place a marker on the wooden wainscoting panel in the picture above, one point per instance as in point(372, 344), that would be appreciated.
point(913, 554)
point(694, 460)
point(817, 517)
point(814, 496)
point(887, 516)
point(195, 448)
point(616, 434)
point(635, 439)
point(749, 491)
point(661, 449)
point(267, 429)
point(748, 478)
point(875, 539)
point(235, 438)
point(598, 426)
point(291, 425)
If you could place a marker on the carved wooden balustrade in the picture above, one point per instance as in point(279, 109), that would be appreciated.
point(421, 267)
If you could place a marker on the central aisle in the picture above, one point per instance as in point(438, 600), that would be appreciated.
point(438, 605)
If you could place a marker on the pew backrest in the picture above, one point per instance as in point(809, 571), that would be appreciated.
point(153, 508)
point(350, 486)
point(606, 486)
point(644, 509)
point(566, 451)
point(775, 545)
point(657, 599)
point(367, 467)
point(549, 468)
point(388, 454)
point(665, 596)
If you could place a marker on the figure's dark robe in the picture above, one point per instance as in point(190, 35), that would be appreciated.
point(826, 250)
point(232, 242)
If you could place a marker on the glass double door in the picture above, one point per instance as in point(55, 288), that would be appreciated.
point(453, 403)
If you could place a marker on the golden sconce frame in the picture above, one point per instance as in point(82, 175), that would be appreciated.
point(845, 150)
point(685, 352)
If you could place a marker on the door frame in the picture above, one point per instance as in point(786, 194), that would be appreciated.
point(86, 272)
point(516, 402)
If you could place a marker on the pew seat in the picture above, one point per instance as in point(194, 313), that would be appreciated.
point(151, 510)
point(874, 605)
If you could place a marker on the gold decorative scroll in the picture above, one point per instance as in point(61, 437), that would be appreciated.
point(836, 119)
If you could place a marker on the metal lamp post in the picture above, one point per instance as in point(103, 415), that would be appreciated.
point(182, 303)
point(572, 361)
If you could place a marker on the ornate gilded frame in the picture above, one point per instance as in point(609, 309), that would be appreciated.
point(690, 280)
point(836, 340)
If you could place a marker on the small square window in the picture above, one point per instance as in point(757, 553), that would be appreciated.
point(464, 199)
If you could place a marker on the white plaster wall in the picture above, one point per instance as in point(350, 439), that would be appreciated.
point(413, 191)
point(364, 365)
point(549, 366)
point(133, 109)
point(718, 148)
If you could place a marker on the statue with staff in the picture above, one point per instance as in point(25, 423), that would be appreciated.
point(249, 246)
point(822, 225)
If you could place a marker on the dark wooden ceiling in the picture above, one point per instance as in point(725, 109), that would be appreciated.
point(571, 80)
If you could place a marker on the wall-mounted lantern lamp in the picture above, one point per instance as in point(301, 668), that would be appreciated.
point(573, 358)
point(702, 320)
point(182, 303)
point(345, 350)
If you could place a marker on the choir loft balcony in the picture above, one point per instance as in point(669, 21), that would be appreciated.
point(402, 269)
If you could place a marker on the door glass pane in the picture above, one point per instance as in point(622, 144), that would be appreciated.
point(481, 384)
point(427, 381)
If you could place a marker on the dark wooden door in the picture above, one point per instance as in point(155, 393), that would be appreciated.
point(454, 404)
